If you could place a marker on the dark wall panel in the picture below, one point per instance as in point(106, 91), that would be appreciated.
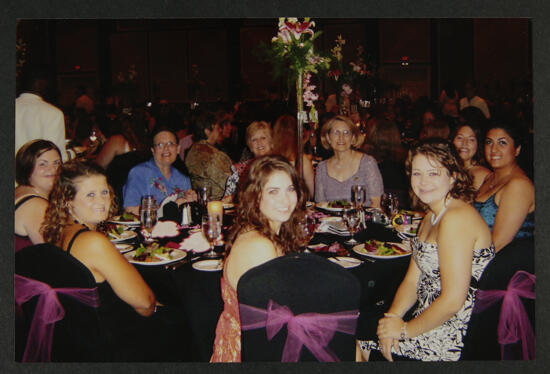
point(404, 37)
point(501, 50)
point(256, 75)
point(130, 49)
point(208, 50)
point(168, 65)
point(455, 52)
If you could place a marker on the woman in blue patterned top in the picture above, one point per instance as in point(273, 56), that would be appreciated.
point(506, 199)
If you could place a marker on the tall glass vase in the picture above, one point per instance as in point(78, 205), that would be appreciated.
point(301, 118)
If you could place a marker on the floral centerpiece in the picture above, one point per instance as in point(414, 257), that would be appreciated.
point(356, 79)
point(293, 49)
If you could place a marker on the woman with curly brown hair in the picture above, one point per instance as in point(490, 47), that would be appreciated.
point(270, 207)
point(452, 247)
point(79, 201)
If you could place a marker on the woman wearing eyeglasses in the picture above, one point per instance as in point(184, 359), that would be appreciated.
point(207, 165)
point(157, 176)
point(335, 176)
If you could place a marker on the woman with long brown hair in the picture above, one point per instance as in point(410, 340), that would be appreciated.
point(270, 207)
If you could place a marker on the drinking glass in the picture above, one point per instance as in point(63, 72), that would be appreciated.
point(358, 198)
point(309, 225)
point(211, 229)
point(148, 213)
point(389, 204)
point(351, 218)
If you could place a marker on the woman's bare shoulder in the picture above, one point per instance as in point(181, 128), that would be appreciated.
point(253, 240)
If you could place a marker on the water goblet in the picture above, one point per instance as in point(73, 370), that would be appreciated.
point(389, 204)
point(352, 219)
point(148, 214)
point(211, 229)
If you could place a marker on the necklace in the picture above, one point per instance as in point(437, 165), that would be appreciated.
point(435, 219)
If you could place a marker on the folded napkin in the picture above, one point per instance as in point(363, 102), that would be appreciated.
point(333, 227)
point(196, 242)
point(165, 229)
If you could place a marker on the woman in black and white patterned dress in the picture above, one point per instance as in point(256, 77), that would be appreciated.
point(452, 247)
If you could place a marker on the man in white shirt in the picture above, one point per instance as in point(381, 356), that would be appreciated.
point(472, 100)
point(34, 117)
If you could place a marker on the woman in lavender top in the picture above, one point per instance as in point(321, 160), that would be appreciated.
point(335, 176)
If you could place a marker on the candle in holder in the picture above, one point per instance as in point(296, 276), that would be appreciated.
point(215, 209)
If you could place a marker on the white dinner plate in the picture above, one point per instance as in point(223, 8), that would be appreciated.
point(116, 220)
point(125, 235)
point(228, 205)
point(360, 249)
point(176, 255)
point(346, 262)
point(324, 206)
point(123, 248)
point(405, 229)
point(208, 265)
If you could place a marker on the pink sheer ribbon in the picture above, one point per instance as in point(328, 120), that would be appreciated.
point(47, 312)
point(313, 330)
point(513, 324)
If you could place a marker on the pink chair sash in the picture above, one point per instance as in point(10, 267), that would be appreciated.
point(513, 324)
point(313, 330)
point(47, 312)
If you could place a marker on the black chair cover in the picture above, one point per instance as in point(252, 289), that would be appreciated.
point(78, 336)
point(305, 283)
point(481, 340)
point(118, 169)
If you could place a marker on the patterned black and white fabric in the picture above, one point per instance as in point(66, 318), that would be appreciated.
point(443, 343)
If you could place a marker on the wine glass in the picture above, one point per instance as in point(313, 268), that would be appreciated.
point(389, 204)
point(148, 214)
point(309, 225)
point(211, 229)
point(358, 198)
point(351, 218)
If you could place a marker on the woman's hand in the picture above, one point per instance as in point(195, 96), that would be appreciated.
point(187, 197)
point(390, 326)
point(385, 347)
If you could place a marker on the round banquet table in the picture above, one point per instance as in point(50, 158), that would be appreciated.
point(197, 293)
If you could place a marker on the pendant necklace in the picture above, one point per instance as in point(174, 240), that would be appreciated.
point(435, 219)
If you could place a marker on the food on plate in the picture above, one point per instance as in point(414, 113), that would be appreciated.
point(152, 253)
point(339, 204)
point(379, 248)
point(127, 216)
point(116, 232)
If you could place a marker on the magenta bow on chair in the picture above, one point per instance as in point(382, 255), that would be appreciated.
point(314, 330)
point(47, 312)
point(513, 324)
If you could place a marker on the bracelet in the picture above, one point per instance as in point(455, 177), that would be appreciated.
point(155, 310)
point(403, 335)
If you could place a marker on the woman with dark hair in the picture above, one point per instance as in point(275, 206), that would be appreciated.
point(270, 207)
point(452, 247)
point(468, 143)
point(506, 199)
point(123, 139)
point(335, 176)
point(36, 167)
point(284, 144)
point(207, 166)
